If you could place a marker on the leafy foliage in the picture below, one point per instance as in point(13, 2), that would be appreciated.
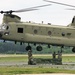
point(11, 48)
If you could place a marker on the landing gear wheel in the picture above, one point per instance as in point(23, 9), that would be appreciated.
point(73, 50)
point(28, 48)
point(39, 48)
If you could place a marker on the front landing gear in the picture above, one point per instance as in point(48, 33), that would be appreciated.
point(30, 58)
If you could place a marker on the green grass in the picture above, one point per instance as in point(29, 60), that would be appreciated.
point(17, 58)
point(9, 70)
point(23, 70)
point(68, 58)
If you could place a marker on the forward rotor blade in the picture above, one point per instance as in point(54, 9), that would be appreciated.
point(26, 10)
point(31, 8)
point(59, 3)
point(11, 11)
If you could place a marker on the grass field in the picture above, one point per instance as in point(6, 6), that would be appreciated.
point(9, 70)
point(15, 58)
point(23, 70)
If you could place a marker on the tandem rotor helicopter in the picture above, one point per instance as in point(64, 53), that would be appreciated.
point(13, 29)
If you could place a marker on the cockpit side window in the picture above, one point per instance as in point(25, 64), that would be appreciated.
point(3, 27)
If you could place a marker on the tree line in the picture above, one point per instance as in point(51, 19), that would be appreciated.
point(11, 48)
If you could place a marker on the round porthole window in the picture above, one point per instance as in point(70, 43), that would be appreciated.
point(49, 32)
point(35, 31)
point(63, 34)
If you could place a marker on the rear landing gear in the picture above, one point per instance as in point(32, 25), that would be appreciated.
point(39, 48)
point(73, 50)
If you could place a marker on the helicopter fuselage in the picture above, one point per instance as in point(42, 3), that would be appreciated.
point(13, 29)
point(40, 33)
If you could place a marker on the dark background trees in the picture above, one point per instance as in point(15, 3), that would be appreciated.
point(11, 48)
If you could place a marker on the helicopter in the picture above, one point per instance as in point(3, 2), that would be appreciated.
point(13, 29)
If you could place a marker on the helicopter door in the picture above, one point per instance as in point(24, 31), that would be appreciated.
point(20, 31)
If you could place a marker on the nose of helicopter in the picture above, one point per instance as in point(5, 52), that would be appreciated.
point(1, 33)
point(2, 29)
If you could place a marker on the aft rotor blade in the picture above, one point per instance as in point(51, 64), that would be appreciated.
point(25, 10)
point(70, 9)
point(60, 3)
point(31, 8)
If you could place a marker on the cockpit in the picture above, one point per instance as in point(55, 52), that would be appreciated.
point(4, 30)
point(4, 27)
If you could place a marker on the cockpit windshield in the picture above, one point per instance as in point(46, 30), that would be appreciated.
point(3, 27)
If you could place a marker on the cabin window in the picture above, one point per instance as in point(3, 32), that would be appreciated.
point(35, 31)
point(49, 32)
point(20, 30)
point(63, 34)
